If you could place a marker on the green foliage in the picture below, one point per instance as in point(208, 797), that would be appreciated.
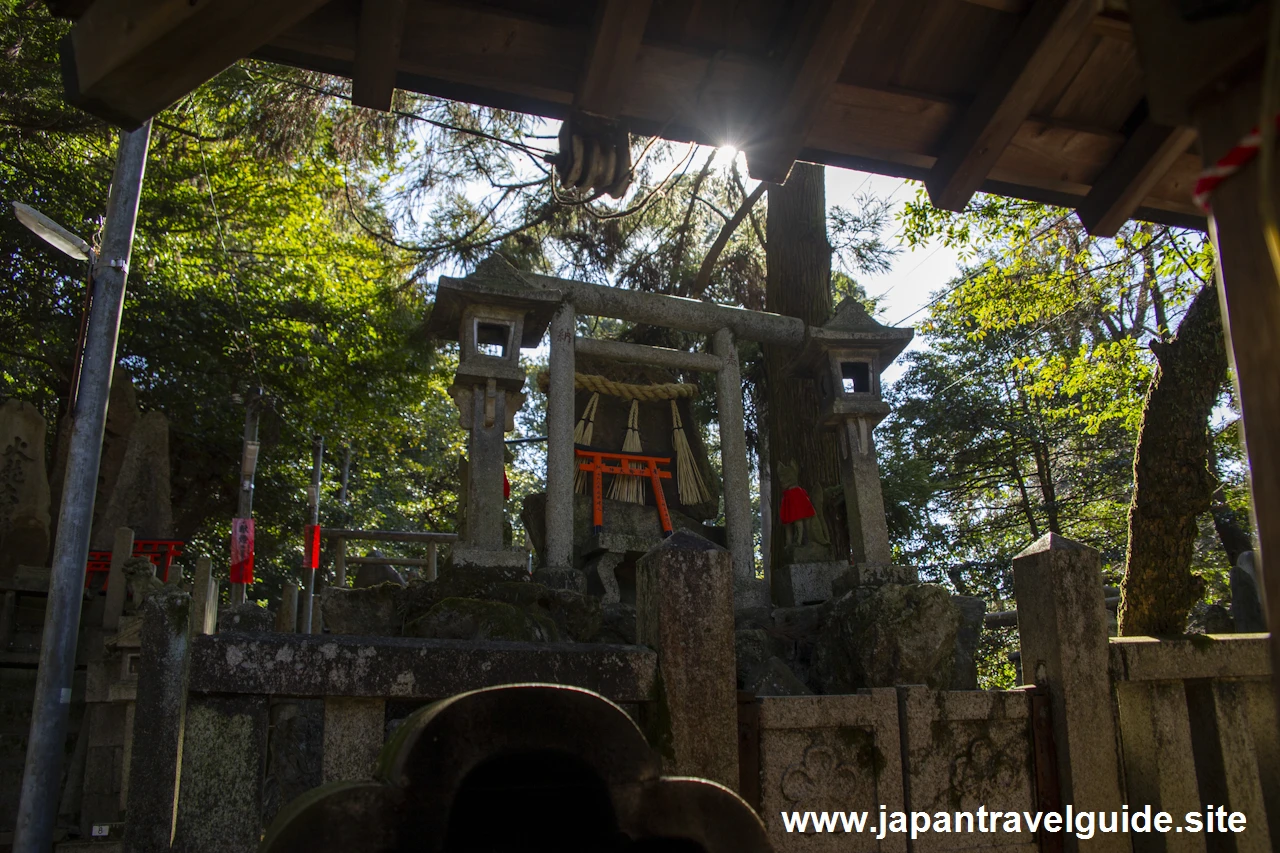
point(1021, 415)
point(251, 269)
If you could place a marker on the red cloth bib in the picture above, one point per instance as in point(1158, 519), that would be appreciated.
point(796, 505)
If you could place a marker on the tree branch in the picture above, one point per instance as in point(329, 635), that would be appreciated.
point(722, 239)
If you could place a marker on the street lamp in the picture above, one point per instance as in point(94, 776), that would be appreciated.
point(72, 246)
point(53, 233)
point(46, 742)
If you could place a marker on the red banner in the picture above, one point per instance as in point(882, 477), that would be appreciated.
point(312, 558)
point(242, 550)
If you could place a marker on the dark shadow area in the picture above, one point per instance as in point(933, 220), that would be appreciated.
point(542, 801)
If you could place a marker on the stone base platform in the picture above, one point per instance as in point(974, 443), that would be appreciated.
point(805, 583)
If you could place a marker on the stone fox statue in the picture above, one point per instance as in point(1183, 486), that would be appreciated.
point(802, 522)
point(140, 574)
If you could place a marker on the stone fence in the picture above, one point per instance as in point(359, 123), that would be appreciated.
point(239, 723)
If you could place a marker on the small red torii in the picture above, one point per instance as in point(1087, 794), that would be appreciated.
point(597, 465)
point(159, 551)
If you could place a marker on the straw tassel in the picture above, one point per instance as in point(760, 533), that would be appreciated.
point(625, 486)
point(582, 435)
point(688, 481)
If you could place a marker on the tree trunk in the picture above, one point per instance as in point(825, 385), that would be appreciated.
point(1172, 484)
point(799, 285)
point(1232, 530)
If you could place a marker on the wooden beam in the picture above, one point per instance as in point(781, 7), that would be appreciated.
point(1182, 60)
point(373, 79)
point(1110, 23)
point(126, 60)
point(482, 55)
point(615, 43)
point(385, 535)
point(1049, 31)
point(1250, 298)
point(1148, 153)
point(813, 65)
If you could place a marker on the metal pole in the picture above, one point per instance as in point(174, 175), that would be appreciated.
point(313, 499)
point(340, 545)
point(42, 774)
point(346, 474)
point(248, 466)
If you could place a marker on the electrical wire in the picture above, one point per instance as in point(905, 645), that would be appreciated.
point(540, 154)
point(966, 279)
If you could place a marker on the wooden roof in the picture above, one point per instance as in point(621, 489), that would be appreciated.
point(1041, 100)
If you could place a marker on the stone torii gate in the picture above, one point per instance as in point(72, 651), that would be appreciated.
point(514, 308)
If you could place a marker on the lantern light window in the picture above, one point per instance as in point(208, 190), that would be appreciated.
point(856, 377)
point(493, 339)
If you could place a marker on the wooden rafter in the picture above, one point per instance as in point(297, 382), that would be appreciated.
point(127, 60)
point(1181, 58)
point(710, 80)
point(615, 44)
point(487, 56)
point(1148, 153)
point(1050, 29)
point(373, 79)
point(1109, 22)
point(812, 67)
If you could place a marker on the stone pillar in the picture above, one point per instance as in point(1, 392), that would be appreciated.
point(1226, 758)
point(117, 586)
point(561, 462)
point(1160, 765)
point(158, 722)
point(223, 760)
point(747, 591)
point(485, 462)
point(204, 598)
point(222, 771)
point(864, 503)
point(1062, 624)
point(340, 563)
point(684, 610)
point(287, 615)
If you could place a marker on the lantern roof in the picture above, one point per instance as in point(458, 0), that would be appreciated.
point(497, 283)
point(850, 328)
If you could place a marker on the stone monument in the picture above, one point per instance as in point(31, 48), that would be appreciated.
point(139, 496)
point(24, 488)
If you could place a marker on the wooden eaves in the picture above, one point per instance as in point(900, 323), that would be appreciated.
point(1039, 100)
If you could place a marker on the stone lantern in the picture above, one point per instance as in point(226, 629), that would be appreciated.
point(846, 357)
point(492, 313)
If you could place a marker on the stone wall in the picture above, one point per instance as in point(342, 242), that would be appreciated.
point(829, 753)
point(1174, 724)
